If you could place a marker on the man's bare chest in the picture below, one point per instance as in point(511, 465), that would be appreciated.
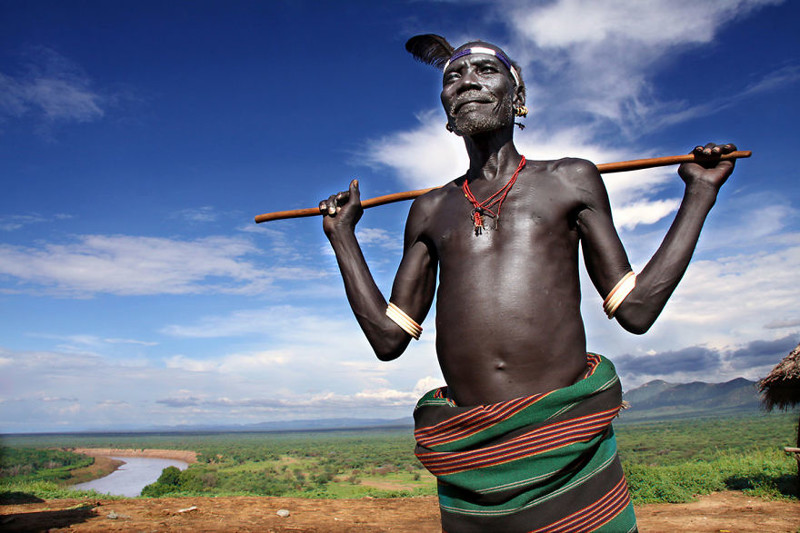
point(530, 216)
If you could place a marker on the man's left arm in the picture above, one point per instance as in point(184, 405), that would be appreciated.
point(605, 256)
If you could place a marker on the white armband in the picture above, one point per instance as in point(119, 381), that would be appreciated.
point(405, 322)
point(618, 294)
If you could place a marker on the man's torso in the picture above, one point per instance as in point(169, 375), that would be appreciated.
point(508, 303)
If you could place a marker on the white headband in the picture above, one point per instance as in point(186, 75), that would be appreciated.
point(488, 51)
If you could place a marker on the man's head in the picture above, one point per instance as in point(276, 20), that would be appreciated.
point(482, 88)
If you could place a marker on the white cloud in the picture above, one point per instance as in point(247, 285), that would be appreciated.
point(660, 23)
point(15, 222)
point(131, 265)
point(181, 362)
point(444, 158)
point(736, 294)
point(279, 321)
point(721, 304)
point(426, 384)
point(379, 238)
point(232, 364)
point(48, 389)
point(51, 88)
point(130, 341)
point(597, 56)
point(427, 156)
point(643, 212)
point(764, 219)
point(205, 213)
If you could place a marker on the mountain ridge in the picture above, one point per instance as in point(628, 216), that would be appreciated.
point(659, 399)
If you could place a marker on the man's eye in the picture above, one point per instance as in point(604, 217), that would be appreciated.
point(488, 70)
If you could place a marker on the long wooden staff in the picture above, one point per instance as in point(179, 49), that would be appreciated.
point(605, 168)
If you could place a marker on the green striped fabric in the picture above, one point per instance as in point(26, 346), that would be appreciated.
point(546, 462)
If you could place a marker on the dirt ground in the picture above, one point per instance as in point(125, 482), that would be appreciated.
point(723, 512)
point(186, 456)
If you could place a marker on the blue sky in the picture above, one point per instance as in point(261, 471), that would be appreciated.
point(139, 139)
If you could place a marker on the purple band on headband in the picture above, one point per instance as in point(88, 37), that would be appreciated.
point(489, 51)
point(467, 51)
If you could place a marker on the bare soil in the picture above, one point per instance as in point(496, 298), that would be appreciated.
point(186, 456)
point(722, 512)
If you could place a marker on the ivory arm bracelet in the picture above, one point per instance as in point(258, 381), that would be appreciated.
point(618, 294)
point(406, 323)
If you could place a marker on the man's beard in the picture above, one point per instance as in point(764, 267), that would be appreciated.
point(473, 123)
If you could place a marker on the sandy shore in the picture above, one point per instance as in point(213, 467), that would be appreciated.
point(186, 456)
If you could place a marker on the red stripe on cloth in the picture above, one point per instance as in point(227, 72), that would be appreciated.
point(472, 422)
point(479, 418)
point(540, 440)
point(592, 516)
point(592, 360)
point(540, 434)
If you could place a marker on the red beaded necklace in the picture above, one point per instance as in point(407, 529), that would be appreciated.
point(485, 208)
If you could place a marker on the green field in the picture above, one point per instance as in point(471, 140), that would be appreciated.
point(664, 461)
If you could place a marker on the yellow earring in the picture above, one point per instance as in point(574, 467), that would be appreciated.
point(521, 111)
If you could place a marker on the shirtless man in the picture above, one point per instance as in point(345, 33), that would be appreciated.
point(508, 316)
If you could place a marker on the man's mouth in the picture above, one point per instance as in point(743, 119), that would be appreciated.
point(459, 105)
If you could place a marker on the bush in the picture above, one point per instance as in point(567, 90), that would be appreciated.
point(169, 481)
point(765, 473)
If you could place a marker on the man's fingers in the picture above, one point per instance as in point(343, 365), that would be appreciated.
point(334, 203)
point(354, 191)
point(713, 150)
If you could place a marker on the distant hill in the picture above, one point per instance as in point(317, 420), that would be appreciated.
point(321, 424)
point(662, 400)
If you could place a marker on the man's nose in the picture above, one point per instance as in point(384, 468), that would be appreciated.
point(469, 82)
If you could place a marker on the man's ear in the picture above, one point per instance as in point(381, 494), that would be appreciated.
point(519, 95)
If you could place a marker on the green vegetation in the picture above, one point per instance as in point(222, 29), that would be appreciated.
point(665, 461)
point(30, 473)
point(674, 461)
point(766, 474)
point(30, 464)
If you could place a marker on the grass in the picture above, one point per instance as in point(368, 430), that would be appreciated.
point(31, 491)
point(669, 461)
point(768, 474)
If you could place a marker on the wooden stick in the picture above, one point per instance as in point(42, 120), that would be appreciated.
point(605, 168)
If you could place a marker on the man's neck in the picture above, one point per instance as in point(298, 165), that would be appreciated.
point(491, 155)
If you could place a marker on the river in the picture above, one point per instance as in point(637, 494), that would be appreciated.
point(130, 478)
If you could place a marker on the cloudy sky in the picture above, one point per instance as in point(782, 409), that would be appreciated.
point(139, 139)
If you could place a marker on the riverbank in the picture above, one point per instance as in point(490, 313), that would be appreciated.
point(104, 465)
point(187, 456)
point(731, 511)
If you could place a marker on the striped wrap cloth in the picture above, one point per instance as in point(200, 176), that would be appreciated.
point(546, 462)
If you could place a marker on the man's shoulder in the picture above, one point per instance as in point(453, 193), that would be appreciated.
point(434, 197)
point(570, 171)
point(570, 166)
point(424, 207)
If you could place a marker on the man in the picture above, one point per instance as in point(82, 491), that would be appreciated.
point(520, 439)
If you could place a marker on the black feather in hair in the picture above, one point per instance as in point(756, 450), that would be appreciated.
point(430, 49)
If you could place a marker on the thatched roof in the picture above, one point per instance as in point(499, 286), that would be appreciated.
point(781, 387)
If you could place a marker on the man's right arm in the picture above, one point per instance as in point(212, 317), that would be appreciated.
point(414, 283)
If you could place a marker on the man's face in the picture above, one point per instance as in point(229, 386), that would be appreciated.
point(478, 94)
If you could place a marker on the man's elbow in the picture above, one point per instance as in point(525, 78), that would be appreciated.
point(636, 329)
point(388, 355)
point(389, 346)
point(637, 323)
